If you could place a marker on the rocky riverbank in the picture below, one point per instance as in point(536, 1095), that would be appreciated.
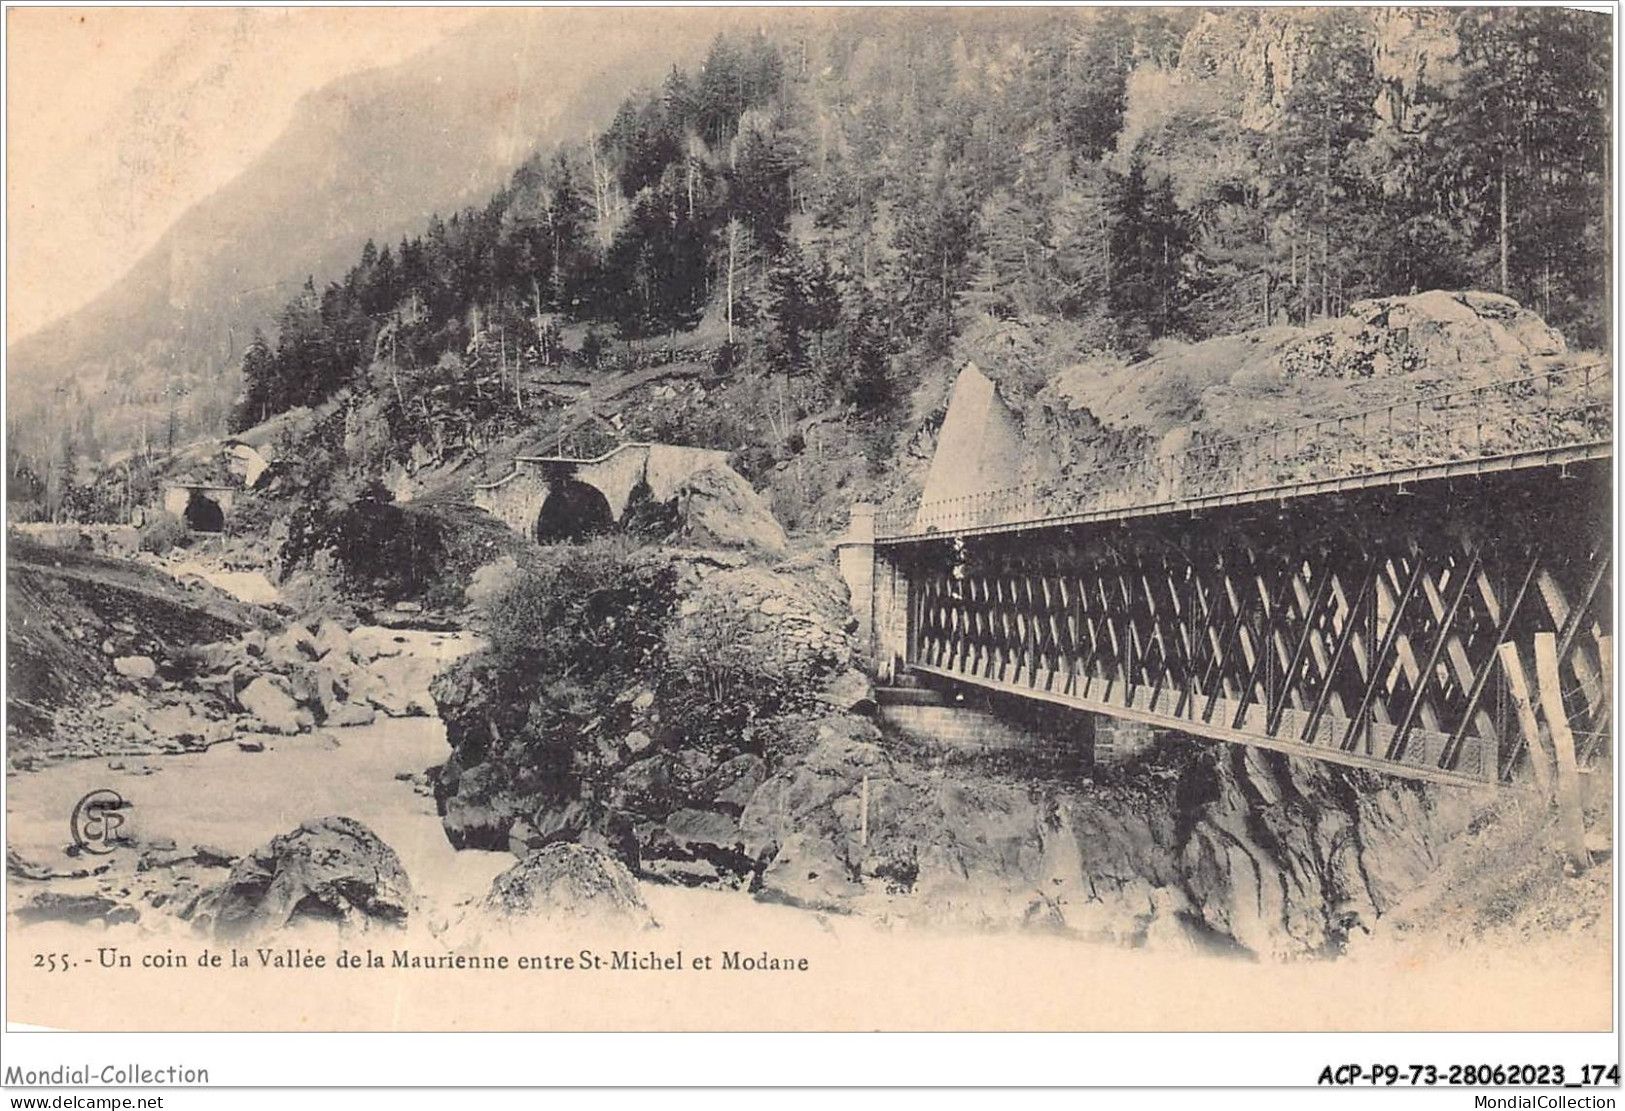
point(650, 720)
point(803, 801)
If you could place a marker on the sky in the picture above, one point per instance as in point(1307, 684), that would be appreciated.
point(120, 119)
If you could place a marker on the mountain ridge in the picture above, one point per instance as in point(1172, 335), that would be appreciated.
point(332, 179)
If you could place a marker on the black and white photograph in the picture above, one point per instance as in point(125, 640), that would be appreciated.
point(1089, 519)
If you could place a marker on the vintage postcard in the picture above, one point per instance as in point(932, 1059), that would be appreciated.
point(790, 519)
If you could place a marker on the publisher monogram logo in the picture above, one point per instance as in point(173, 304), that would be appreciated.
point(96, 821)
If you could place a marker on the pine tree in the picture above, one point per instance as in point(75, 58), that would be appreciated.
point(1149, 242)
point(1526, 139)
point(260, 389)
point(759, 188)
point(1318, 161)
point(789, 314)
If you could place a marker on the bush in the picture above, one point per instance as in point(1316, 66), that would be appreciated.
point(380, 548)
point(647, 520)
point(597, 606)
point(162, 532)
point(727, 677)
point(568, 637)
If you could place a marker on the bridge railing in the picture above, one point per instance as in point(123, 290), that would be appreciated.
point(1556, 408)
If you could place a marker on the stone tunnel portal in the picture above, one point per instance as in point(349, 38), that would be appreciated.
point(203, 513)
point(573, 511)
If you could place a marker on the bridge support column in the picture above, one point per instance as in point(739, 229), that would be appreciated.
point(1118, 739)
point(890, 617)
point(855, 556)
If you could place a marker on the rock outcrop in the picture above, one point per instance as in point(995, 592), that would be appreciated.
point(771, 618)
point(720, 509)
point(670, 755)
point(1221, 847)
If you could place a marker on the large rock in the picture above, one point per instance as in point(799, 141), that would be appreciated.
point(136, 667)
point(569, 884)
point(370, 642)
point(731, 786)
point(720, 509)
point(478, 808)
point(312, 686)
point(780, 627)
point(400, 686)
point(644, 787)
point(328, 870)
point(331, 640)
point(79, 909)
point(243, 462)
point(851, 692)
point(292, 647)
point(691, 834)
point(704, 832)
point(270, 705)
point(351, 713)
point(548, 826)
point(180, 725)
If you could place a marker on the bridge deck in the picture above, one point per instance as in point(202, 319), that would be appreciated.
point(1135, 708)
point(1558, 417)
point(1399, 478)
point(1361, 620)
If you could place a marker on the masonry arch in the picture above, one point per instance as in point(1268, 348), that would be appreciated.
point(203, 513)
point(573, 511)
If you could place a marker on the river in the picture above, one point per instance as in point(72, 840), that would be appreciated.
point(234, 800)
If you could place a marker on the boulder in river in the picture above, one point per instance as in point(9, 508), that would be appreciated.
point(400, 686)
point(55, 906)
point(564, 882)
point(352, 713)
point(271, 705)
point(331, 869)
point(294, 646)
point(332, 641)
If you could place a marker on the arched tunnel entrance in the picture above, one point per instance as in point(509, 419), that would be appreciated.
point(203, 513)
point(573, 511)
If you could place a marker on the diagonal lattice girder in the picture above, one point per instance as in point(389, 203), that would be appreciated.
point(1360, 627)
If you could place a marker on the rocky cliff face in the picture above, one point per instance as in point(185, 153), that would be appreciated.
point(673, 750)
point(1211, 847)
point(1413, 53)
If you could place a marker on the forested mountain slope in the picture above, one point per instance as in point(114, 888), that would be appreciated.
point(827, 216)
point(156, 359)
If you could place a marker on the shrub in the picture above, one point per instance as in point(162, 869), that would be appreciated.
point(384, 549)
point(598, 606)
point(725, 678)
point(162, 532)
point(569, 635)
